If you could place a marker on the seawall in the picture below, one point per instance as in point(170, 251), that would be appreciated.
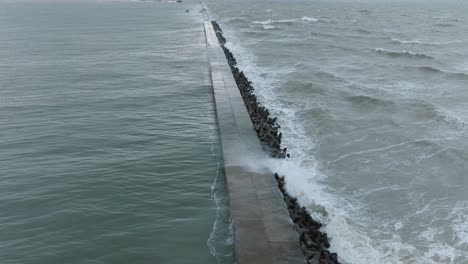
point(263, 230)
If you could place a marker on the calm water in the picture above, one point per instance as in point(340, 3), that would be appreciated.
point(372, 98)
point(109, 148)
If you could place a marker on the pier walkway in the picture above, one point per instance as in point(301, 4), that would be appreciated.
point(263, 230)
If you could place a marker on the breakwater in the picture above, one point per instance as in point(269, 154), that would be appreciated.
point(262, 229)
point(314, 243)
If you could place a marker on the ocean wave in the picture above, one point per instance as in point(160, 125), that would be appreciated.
point(428, 69)
point(410, 41)
point(440, 252)
point(270, 21)
point(460, 224)
point(309, 19)
point(429, 111)
point(419, 42)
point(444, 25)
point(363, 31)
point(407, 54)
point(288, 21)
point(268, 27)
point(320, 34)
point(446, 18)
point(450, 119)
point(369, 100)
point(433, 70)
point(236, 20)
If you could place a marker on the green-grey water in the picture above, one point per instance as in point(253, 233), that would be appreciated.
point(109, 146)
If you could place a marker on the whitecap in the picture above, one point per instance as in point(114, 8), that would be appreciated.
point(403, 53)
point(408, 41)
point(421, 42)
point(309, 19)
point(268, 27)
point(286, 20)
point(460, 223)
point(292, 20)
point(264, 22)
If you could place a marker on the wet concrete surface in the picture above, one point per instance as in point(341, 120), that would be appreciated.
point(263, 229)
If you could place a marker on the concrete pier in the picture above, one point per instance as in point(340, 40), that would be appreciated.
point(263, 230)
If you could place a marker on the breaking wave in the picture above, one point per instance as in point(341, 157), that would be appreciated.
point(288, 21)
point(427, 43)
point(403, 54)
point(410, 41)
point(433, 70)
point(368, 100)
point(430, 111)
point(309, 19)
point(268, 27)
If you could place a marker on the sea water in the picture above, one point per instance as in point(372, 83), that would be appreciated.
point(372, 100)
point(109, 150)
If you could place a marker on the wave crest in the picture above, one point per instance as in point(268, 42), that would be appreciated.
point(433, 70)
point(419, 42)
point(407, 54)
point(409, 41)
point(368, 100)
point(444, 25)
point(288, 21)
point(309, 19)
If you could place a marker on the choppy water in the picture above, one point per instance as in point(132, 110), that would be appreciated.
point(372, 99)
point(109, 147)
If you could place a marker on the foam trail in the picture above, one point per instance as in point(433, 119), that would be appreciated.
point(214, 198)
point(434, 154)
point(420, 42)
point(219, 231)
point(375, 150)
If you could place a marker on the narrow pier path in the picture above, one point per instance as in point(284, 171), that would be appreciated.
point(263, 230)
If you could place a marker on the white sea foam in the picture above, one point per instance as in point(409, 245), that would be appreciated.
point(309, 19)
point(218, 231)
point(214, 196)
point(270, 21)
point(278, 21)
point(429, 43)
point(216, 202)
point(264, 22)
point(446, 17)
point(408, 41)
point(460, 226)
point(268, 27)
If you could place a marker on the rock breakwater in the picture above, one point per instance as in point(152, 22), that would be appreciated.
point(314, 243)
